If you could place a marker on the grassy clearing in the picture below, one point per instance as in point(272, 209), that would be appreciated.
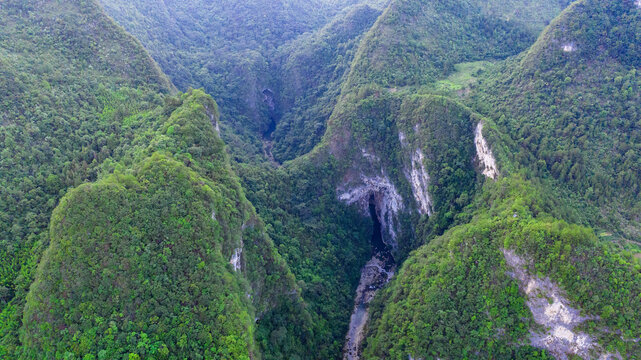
point(465, 75)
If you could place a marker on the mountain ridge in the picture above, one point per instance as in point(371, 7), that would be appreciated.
point(460, 177)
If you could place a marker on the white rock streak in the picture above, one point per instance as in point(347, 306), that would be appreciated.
point(484, 154)
point(388, 201)
point(552, 310)
point(235, 258)
point(570, 47)
point(638, 3)
point(403, 139)
point(212, 119)
point(420, 182)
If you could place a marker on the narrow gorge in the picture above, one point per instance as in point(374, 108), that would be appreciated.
point(378, 271)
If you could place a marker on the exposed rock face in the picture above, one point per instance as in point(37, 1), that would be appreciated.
point(235, 258)
point(638, 3)
point(570, 47)
point(484, 154)
point(553, 311)
point(268, 98)
point(213, 118)
point(403, 139)
point(369, 156)
point(374, 275)
point(387, 199)
point(418, 177)
point(420, 182)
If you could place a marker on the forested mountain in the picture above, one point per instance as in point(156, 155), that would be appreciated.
point(187, 268)
point(231, 49)
point(164, 257)
point(363, 179)
point(70, 76)
point(313, 68)
point(512, 274)
point(533, 15)
point(507, 284)
point(571, 105)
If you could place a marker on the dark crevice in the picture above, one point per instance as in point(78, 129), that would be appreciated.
point(374, 275)
point(268, 99)
point(379, 248)
point(268, 134)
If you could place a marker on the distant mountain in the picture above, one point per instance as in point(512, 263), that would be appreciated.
point(415, 42)
point(230, 49)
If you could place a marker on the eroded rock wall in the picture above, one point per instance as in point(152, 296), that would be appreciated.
point(484, 154)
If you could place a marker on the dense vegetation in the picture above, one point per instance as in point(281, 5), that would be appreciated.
point(313, 69)
point(574, 114)
point(568, 107)
point(534, 15)
point(417, 42)
point(130, 270)
point(77, 136)
point(454, 298)
point(324, 242)
point(69, 77)
point(155, 250)
point(231, 49)
point(161, 285)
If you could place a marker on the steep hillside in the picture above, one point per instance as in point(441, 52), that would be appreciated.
point(416, 42)
point(249, 56)
point(173, 229)
point(124, 253)
point(313, 68)
point(318, 205)
point(534, 15)
point(571, 105)
point(407, 163)
point(230, 49)
point(512, 283)
point(402, 142)
point(424, 175)
point(69, 76)
point(78, 119)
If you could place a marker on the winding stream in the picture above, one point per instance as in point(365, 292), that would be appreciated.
point(375, 274)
